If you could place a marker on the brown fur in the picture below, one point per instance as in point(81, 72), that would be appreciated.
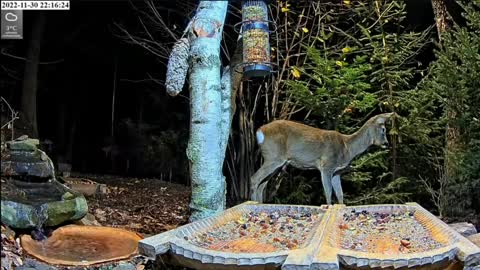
point(306, 147)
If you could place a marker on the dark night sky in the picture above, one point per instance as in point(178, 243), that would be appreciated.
point(84, 38)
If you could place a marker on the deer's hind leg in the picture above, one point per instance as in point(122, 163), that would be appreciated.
point(327, 184)
point(257, 188)
point(337, 187)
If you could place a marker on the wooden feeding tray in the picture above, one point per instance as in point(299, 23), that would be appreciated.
point(391, 236)
point(250, 235)
point(83, 245)
point(85, 186)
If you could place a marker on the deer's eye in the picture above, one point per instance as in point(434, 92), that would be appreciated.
point(382, 130)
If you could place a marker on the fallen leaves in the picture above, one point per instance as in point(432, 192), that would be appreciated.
point(100, 215)
point(147, 206)
point(11, 252)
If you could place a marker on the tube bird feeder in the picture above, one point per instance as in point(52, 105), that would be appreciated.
point(255, 38)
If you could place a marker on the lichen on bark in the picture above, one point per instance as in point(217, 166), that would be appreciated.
point(205, 147)
point(209, 115)
point(177, 67)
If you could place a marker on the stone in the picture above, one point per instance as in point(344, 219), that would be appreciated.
point(31, 263)
point(64, 169)
point(26, 204)
point(464, 228)
point(24, 216)
point(40, 200)
point(88, 220)
point(27, 144)
point(9, 233)
point(475, 238)
point(124, 266)
point(102, 189)
point(405, 243)
point(17, 215)
point(61, 211)
point(32, 163)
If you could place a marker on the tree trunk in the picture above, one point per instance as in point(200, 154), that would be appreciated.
point(112, 116)
point(441, 16)
point(61, 127)
point(452, 133)
point(30, 77)
point(235, 160)
point(70, 141)
point(236, 75)
point(206, 147)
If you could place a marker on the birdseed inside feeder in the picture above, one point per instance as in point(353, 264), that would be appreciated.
point(256, 45)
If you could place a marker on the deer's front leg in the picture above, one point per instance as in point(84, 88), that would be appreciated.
point(337, 186)
point(327, 185)
point(256, 187)
point(261, 190)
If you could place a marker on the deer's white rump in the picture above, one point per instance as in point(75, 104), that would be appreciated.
point(304, 147)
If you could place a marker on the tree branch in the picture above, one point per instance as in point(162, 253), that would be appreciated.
point(26, 60)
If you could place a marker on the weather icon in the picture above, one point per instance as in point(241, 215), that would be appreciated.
point(11, 17)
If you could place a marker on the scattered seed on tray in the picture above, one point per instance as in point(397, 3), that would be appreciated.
point(388, 233)
point(260, 232)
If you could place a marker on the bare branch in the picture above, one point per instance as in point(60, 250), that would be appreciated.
point(160, 20)
point(144, 43)
point(4, 52)
point(10, 73)
point(13, 117)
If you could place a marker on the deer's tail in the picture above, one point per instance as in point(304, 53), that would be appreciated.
point(260, 137)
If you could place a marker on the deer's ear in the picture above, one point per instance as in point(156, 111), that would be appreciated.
point(382, 118)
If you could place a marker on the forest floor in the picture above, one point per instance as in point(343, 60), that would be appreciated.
point(146, 206)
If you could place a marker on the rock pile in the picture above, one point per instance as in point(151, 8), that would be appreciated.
point(30, 195)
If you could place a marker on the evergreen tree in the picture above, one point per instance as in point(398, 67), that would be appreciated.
point(366, 64)
point(454, 77)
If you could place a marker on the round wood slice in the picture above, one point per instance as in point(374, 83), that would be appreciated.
point(83, 245)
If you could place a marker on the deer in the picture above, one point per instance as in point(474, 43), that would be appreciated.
point(284, 142)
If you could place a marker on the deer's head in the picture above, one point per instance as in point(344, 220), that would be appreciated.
point(377, 129)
